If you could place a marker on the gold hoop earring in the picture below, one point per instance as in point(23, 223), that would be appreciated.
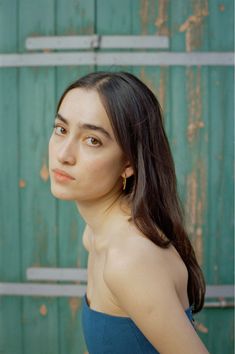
point(124, 183)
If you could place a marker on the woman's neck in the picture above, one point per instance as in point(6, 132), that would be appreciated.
point(102, 215)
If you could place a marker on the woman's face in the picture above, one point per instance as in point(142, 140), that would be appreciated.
point(85, 161)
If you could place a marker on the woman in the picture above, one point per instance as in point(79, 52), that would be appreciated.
point(109, 153)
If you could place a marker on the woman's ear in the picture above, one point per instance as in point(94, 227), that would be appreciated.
point(128, 171)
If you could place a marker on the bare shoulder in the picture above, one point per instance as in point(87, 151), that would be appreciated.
point(139, 261)
point(142, 278)
point(138, 252)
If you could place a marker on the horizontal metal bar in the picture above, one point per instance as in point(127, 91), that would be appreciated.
point(51, 290)
point(96, 41)
point(218, 304)
point(61, 274)
point(25, 289)
point(80, 274)
point(220, 291)
point(117, 58)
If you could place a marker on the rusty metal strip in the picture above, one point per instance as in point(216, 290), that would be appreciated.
point(117, 58)
point(96, 41)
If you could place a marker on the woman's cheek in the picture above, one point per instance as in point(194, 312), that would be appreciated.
point(96, 166)
point(104, 168)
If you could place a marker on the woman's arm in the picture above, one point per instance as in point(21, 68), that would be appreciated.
point(144, 288)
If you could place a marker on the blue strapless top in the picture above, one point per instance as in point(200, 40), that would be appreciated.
point(107, 334)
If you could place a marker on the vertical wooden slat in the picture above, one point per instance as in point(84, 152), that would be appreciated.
point(189, 131)
point(148, 18)
point(113, 18)
point(189, 119)
point(219, 241)
point(10, 259)
point(200, 123)
point(37, 206)
point(72, 18)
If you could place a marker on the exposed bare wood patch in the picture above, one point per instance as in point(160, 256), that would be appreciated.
point(161, 20)
point(193, 26)
point(44, 173)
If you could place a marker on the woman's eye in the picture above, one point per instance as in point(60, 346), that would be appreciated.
point(93, 141)
point(59, 130)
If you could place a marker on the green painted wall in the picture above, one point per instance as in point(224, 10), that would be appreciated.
point(37, 230)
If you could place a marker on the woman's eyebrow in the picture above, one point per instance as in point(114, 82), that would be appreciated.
point(59, 116)
point(85, 126)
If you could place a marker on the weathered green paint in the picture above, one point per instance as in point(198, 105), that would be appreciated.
point(73, 17)
point(37, 230)
point(10, 309)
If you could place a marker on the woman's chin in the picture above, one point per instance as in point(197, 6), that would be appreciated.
point(61, 195)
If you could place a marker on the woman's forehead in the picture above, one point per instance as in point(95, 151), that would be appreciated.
point(80, 102)
point(81, 106)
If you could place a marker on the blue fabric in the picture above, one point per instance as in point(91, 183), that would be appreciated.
point(107, 334)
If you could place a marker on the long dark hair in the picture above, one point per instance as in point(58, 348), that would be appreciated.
point(136, 118)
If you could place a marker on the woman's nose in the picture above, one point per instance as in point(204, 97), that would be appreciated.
point(66, 153)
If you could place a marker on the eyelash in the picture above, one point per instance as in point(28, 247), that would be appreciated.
point(88, 137)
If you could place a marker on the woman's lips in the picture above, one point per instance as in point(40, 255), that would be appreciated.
point(62, 176)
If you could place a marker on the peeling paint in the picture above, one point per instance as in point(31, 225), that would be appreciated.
point(193, 26)
point(195, 121)
point(74, 304)
point(144, 16)
point(221, 7)
point(159, 92)
point(192, 189)
point(199, 244)
point(22, 183)
point(144, 77)
point(44, 173)
point(162, 87)
point(192, 129)
point(161, 20)
point(47, 50)
point(43, 310)
point(201, 327)
point(195, 206)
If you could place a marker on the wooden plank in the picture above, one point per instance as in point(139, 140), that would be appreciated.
point(190, 123)
point(71, 19)
point(189, 117)
point(10, 258)
point(38, 234)
point(220, 206)
point(113, 18)
point(202, 132)
point(145, 18)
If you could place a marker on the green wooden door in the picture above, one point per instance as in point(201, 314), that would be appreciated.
point(38, 231)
